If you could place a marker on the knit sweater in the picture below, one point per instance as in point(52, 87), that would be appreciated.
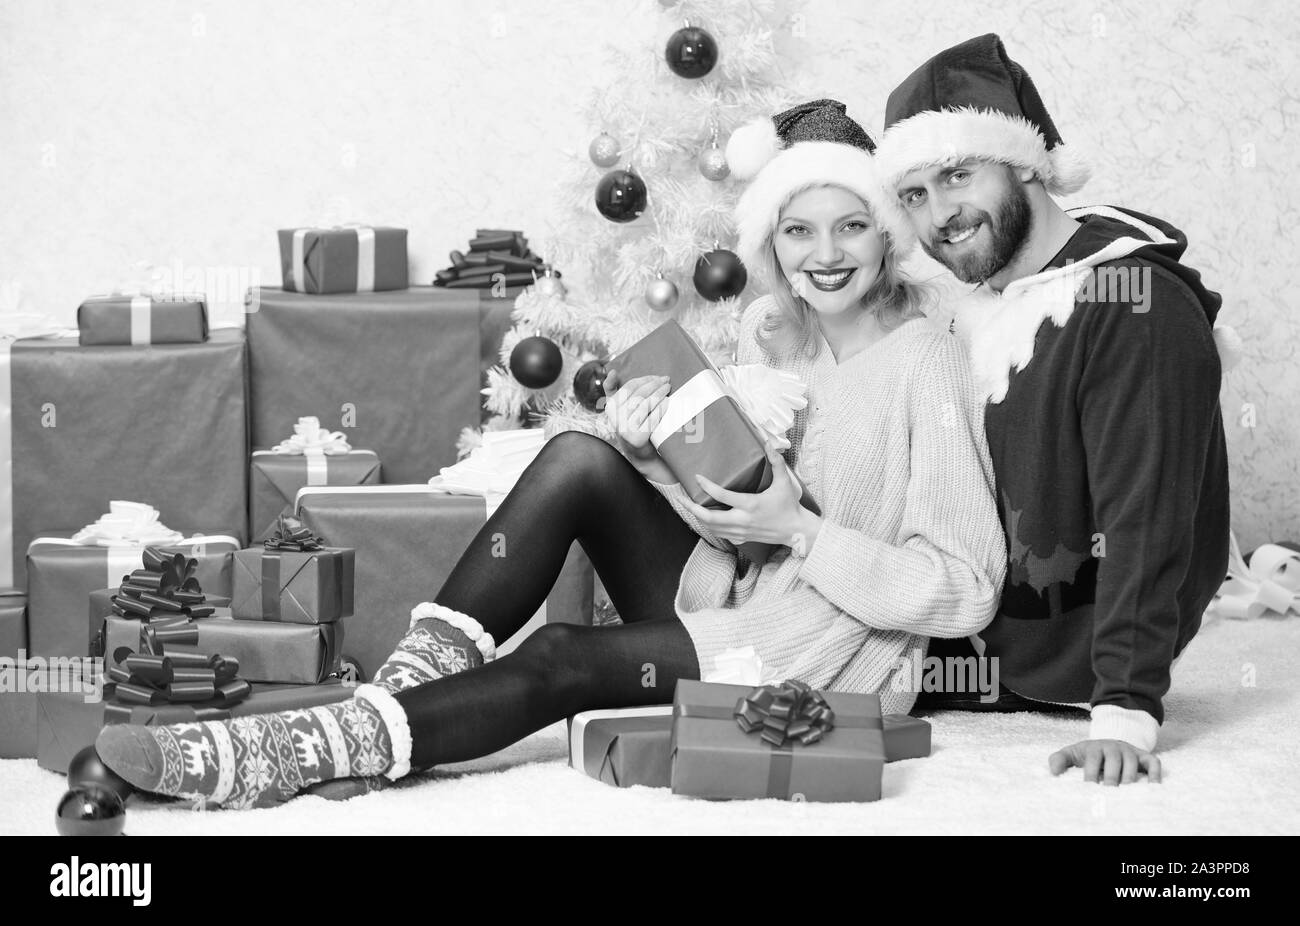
point(910, 545)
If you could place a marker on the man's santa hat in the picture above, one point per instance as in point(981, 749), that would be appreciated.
point(812, 144)
point(971, 100)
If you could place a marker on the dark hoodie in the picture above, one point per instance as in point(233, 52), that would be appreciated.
point(1112, 475)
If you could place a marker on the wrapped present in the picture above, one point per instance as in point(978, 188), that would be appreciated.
point(705, 428)
point(101, 607)
point(66, 405)
point(347, 259)
point(407, 539)
point(62, 572)
point(293, 578)
point(137, 319)
point(311, 456)
point(23, 682)
point(405, 390)
point(13, 622)
point(65, 722)
point(785, 742)
point(633, 745)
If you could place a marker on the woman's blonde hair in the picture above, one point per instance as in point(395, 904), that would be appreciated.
point(893, 298)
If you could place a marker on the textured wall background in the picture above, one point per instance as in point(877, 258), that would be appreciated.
point(183, 134)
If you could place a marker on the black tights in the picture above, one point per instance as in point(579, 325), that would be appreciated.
point(578, 488)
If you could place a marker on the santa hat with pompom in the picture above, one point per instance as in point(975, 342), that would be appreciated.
point(812, 144)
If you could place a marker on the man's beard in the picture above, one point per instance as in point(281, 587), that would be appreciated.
point(1008, 235)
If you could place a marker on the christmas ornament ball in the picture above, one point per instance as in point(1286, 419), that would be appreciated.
point(536, 362)
point(661, 295)
point(691, 52)
point(87, 768)
point(720, 274)
point(589, 385)
point(604, 150)
point(621, 196)
point(713, 164)
point(90, 810)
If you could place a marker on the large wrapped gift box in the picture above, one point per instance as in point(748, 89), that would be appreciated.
point(13, 622)
point(407, 540)
point(101, 607)
point(275, 478)
point(23, 683)
point(274, 653)
point(713, 757)
point(307, 587)
point(404, 388)
point(633, 746)
point(67, 722)
point(62, 574)
point(703, 429)
point(122, 319)
point(165, 425)
point(354, 259)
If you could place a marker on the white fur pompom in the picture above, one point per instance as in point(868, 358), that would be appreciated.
point(1230, 346)
point(751, 146)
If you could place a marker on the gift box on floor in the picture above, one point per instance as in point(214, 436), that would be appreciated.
point(308, 587)
point(126, 319)
point(275, 478)
point(24, 684)
point(101, 607)
point(274, 653)
point(633, 746)
point(404, 390)
point(703, 430)
point(62, 574)
point(13, 622)
point(407, 539)
point(93, 424)
point(351, 259)
point(713, 757)
point(66, 722)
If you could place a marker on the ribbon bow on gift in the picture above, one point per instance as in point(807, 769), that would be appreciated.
point(791, 711)
point(209, 683)
point(769, 397)
point(128, 524)
point(310, 438)
point(165, 587)
point(292, 536)
point(1270, 583)
point(494, 466)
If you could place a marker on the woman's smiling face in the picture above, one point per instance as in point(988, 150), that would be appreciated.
point(828, 248)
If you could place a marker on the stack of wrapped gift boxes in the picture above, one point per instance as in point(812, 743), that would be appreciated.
point(149, 432)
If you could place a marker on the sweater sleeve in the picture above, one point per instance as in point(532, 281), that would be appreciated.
point(943, 575)
point(1148, 400)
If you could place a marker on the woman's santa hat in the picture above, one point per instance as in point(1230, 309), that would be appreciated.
point(971, 100)
point(812, 144)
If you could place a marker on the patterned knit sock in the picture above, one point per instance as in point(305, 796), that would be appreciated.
point(440, 642)
point(263, 759)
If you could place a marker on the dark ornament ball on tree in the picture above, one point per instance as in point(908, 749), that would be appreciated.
point(720, 274)
point(621, 196)
point(536, 362)
point(589, 385)
point(90, 810)
point(691, 52)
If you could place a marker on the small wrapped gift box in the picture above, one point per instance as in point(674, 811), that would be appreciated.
point(307, 587)
point(66, 722)
point(13, 622)
point(407, 539)
point(355, 259)
point(794, 744)
point(703, 430)
point(125, 319)
point(62, 574)
point(633, 746)
point(274, 653)
point(275, 478)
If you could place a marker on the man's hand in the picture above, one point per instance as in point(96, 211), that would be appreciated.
point(1111, 762)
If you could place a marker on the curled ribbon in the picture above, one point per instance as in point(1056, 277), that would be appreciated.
point(309, 437)
point(786, 713)
point(152, 676)
point(1271, 582)
point(165, 587)
point(291, 535)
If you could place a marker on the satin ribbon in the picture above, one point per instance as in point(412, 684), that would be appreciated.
point(365, 256)
point(128, 524)
point(313, 443)
point(209, 684)
point(783, 716)
point(767, 397)
point(164, 587)
point(1270, 583)
point(141, 320)
point(121, 558)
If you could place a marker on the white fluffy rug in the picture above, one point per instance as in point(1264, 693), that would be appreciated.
point(1229, 748)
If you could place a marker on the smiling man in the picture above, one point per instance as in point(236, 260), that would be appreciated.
point(1094, 349)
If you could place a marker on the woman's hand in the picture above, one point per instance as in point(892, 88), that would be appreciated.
point(771, 516)
point(635, 409)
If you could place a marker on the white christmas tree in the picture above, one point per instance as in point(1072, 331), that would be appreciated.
point(668, 130)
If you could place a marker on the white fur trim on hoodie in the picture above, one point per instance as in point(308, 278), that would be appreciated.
point(399, 730)
point(947, 136)
point(462, 622)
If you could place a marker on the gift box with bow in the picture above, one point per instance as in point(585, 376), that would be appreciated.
point(786, 742)
point(311, 456)
point(1267, 583)
point(343, 259)
point(293, 578)
point(716, 423)
point(143, 319)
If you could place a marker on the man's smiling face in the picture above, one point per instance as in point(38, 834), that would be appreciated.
point(972, 217)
